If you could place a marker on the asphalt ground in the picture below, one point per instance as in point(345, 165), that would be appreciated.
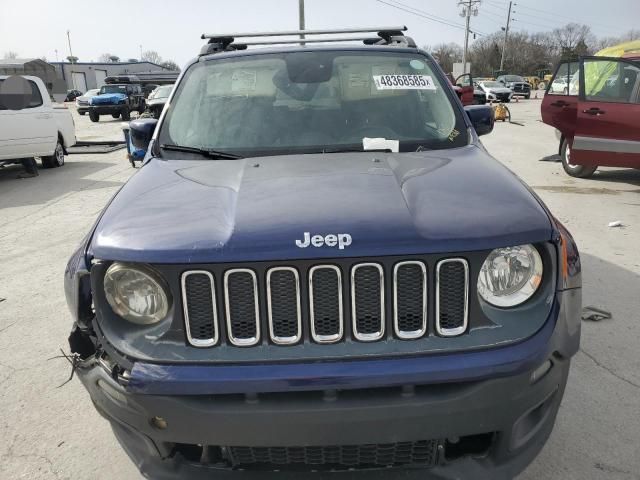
point(49, 431)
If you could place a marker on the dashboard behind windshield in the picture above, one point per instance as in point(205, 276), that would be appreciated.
point(113, 89)
point(304, 102)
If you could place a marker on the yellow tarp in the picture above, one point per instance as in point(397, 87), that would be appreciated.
point(619, 50)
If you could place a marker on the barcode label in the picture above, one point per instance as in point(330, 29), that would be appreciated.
point(404, 82)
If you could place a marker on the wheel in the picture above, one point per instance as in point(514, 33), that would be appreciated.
point(55, 160)
point(527, 96)
point(82, 113)
point(578, 171)
point(115, 115)
point(126, 114)
point(541, 86)
point(94, 116)
point(508, 100)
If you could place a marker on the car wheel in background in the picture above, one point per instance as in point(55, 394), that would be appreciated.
point(94, 116)
point(55, 160)
point(126, 115)
point(81, 113)
point(578, 171)
point(115, 115)
point(527, 96)
point(542, 86)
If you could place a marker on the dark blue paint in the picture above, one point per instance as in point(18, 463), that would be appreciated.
point(182, 211)
point(155, 379)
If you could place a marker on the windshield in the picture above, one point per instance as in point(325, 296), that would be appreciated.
point(514, 78)
point(162, 92)
point(492, 84)
point(113, 89)
point(304, 102)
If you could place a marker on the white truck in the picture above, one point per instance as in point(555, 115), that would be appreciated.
point(41, 129)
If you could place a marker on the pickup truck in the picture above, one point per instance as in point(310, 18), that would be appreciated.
point(596, 113)
point(37, 128)
point(117, 100)
point(320, 272)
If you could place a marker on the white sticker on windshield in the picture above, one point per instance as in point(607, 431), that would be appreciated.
point(404, 82)
point(243, 81)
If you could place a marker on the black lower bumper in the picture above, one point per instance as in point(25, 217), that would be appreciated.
point(516, 414)
point(107, 109)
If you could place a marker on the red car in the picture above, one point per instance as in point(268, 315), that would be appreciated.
point(463, 86)
point(597, 114)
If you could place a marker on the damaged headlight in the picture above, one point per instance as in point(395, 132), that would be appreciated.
point(510, 276)
point(136, 293)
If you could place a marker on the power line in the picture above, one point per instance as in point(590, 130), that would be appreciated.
point(424, 14)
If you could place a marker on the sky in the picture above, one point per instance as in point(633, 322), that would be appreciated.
point(37, 28)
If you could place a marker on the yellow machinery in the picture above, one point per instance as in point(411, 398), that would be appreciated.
point(501, 112)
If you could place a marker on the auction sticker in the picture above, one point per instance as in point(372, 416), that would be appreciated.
point(404, 82)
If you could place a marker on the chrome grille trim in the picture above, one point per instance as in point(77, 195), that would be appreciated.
point(367, 337)
point(196, 342)
point(284, 340)
point(242, 342)
point(452, 332)
point(326, 338)
point(409, 335)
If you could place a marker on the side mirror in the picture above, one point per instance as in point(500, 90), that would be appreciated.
point(141, 131)
point(481, 117)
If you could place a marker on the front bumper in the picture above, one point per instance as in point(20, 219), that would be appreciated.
point(107, 109)
point(517, 413)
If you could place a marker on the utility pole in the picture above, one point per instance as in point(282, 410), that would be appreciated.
point(301, 18)
point(467, 10)
point(506, 35)
point(69, 40)
point(140, 52)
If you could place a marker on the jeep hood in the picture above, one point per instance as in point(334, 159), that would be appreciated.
point(107, 98)
point(181, 211)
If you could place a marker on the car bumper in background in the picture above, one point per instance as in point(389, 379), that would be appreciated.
point(107, 109)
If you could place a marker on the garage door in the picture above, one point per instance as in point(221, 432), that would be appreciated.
point(79, 81)
point(100, 76)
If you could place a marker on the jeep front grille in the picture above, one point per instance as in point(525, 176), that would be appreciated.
point(325, 298)
point(452, 297)
point(242, 310)
point(367, 301)
point(325, 303)
point(199, 303)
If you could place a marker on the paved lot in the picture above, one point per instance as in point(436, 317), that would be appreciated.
point(48, 432)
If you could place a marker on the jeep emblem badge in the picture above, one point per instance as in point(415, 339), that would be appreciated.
point(341, 240)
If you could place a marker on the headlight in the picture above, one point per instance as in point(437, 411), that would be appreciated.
point(136, 293)
point(510, 276)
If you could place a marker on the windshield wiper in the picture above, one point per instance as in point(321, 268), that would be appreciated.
point(214, 154)
point(346, 150)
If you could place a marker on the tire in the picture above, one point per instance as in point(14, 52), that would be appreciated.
point(578, 171)
point(508, 100)
point(94, 116)
point(82, 113)
point(527, 96)
point(57, 159)
point(115, 115)
point(126, 114)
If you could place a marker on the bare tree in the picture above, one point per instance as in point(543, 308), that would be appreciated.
point(446, 54)
point(104, 58)
point(72, 59)
point(132, 60)
point(574, 39)
point(114, 58)
point(10, 55)
point(170, 65)
point(151, 56)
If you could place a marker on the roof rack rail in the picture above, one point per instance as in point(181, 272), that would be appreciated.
point(385, 36)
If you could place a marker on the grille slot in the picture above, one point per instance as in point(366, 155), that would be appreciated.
point(283, 303)
point(199, 303)
point(410, 299)
point(367, 301)
point(452, 298)
point(347, 456)
point(325, 299)
point(241, 302)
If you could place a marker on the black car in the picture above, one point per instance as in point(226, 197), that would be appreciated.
point(72, 95)
point(517, 84)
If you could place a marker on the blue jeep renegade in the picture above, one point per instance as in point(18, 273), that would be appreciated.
point(320, 272)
